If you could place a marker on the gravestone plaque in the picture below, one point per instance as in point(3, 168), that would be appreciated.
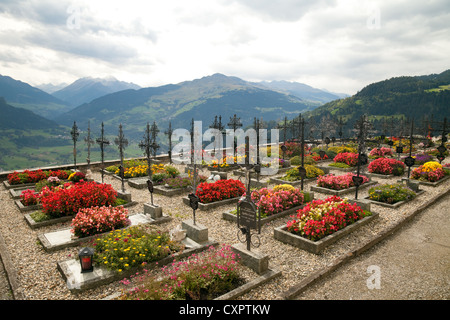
point(399, 149)
point(247, 215)
point(357, 180)
point(409, 161)
point(302, 172)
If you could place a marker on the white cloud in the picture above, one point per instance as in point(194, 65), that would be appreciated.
point(337, 45)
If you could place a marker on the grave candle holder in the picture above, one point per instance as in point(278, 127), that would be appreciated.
point(86, 256)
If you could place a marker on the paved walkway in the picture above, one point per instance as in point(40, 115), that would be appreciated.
point(412, 264)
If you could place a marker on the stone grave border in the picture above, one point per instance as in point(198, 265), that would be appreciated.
point(212, 205)
point(383, 176)
point(281, 233)
point(16, 192)
point(351, 169)
point(395, 205)
point(432, 184)
point(107, 276)
point(233, 218)
point(34, 225)
point(48, 247)
point(342, 191)
point(292, 183)
point(24, 208)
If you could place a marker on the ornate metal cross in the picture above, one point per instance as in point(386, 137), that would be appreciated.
point(122, 143)
point(217, 125)
point(75, 133)
point(362, 126)
point(169, 132)
point(102, 142)
point(234, 123)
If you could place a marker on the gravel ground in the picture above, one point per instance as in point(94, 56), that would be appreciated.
point(40, 279)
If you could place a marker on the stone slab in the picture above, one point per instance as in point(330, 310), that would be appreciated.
point(196, 232)
point(255, 260)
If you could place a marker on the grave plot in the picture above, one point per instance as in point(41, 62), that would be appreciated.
point(65, 238)
point(295, 177)
point(61, 204)
point(138, 247)
point(274, 203)
point(313, 232)
point(386, 168)
point(341, 184)
point(28, 199)
point(431, 173)
point(394, 195)
point(29, 178)
point(218, 193)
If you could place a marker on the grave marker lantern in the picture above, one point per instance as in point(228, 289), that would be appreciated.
point(86, 259)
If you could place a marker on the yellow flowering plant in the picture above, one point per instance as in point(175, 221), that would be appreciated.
point(132, 247)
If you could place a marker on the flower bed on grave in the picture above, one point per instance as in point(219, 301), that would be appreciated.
point(293, 177)
point(95, 220)
point(30, 198)
point(336, 185)
point(276, 202)
point(420, 158)
point(430, 172)
point(391, 195)
point(177, 185)
point(387, 167)
point(220, 190)
point(345, 160)
point(382, 152)
point(34, 176)
point(322, 222)
point(202, 276)
point(67, 200)
point(133, 247)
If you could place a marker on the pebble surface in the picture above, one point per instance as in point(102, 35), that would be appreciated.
point(39, 278)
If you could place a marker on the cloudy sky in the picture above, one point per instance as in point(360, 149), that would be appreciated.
point(338, 45)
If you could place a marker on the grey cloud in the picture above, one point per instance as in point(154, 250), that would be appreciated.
point(287, 10)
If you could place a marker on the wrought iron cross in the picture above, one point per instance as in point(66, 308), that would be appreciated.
point(362, 126)
point(234, 123)
point(102, 142)
point(122, 143)
point(217, 125)
point(169, 132)
point(75, 133)
point(89, 142)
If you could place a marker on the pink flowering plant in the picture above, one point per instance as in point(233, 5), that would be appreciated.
point(387, 166)
point(202, 276)
point(430, 171)
point(382, 152)
point(324, 217)
point(95, 220)
point(272, 201)
point(330, 181)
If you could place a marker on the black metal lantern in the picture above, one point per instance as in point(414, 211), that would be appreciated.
point(86, 256)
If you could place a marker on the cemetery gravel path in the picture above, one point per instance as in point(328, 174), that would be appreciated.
point(35, 274)
point(413, 264)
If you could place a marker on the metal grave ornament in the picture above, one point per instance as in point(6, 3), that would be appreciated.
point(74, 133)
point(102, 142)
point(248, 218)
point(89, 142)
point(150, 189)
point(122, 143)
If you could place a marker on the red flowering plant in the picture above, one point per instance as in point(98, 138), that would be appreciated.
point(32, 176)
point(220, 190)
point(95, 220)
point(348, 158)
point(320, 218)
point(317, 156)
point(341, 182)
point(387, 166)
point(70, 198)
point(29, 197)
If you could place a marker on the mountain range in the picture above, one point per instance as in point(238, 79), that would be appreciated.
point(199, 99)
